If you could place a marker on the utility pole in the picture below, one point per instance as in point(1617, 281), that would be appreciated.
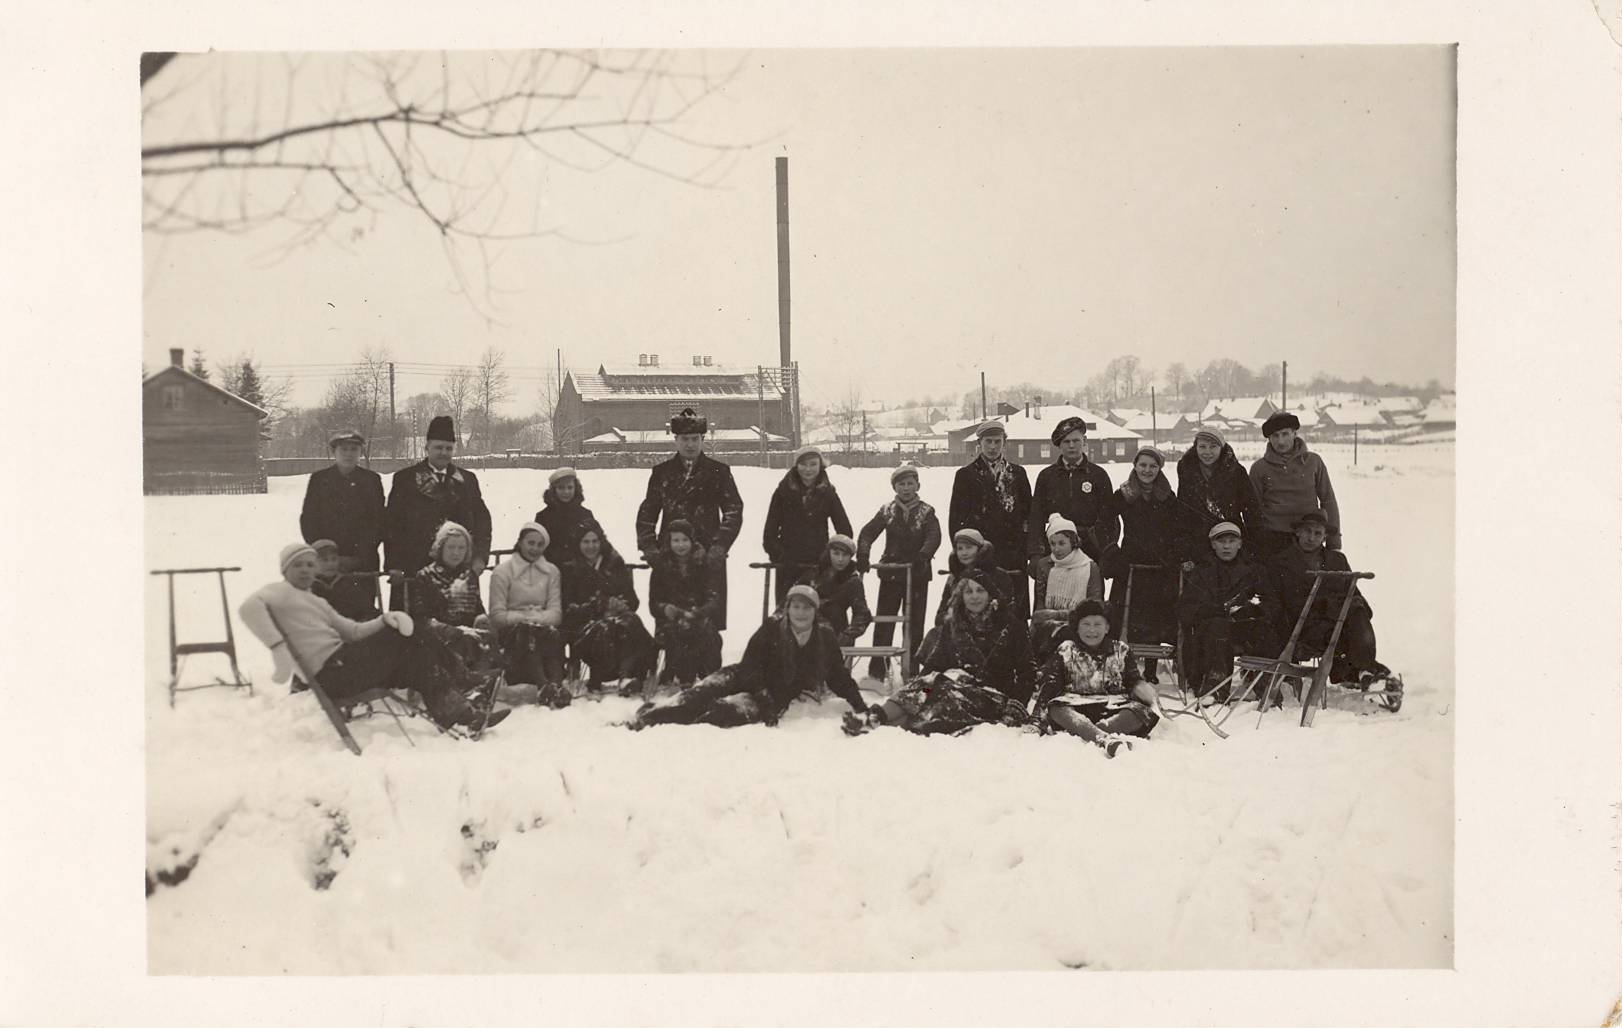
point(1284, 390)
point(394, 434)
point(1154, 423)
point(784, 353)
point(982, 396)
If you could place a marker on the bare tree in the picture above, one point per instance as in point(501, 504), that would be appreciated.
point(456, 393)
point(239, 142)
point(491, 387)
point(846, 417)
point(1176, 378)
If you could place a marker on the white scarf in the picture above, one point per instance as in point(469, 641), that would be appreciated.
point(1067, 581)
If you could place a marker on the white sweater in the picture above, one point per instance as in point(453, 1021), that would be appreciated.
point(524, 592)
point(313, 630)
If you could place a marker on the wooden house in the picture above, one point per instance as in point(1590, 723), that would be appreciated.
point(196, 437)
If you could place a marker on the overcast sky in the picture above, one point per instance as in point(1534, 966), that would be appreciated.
point(1028, 213)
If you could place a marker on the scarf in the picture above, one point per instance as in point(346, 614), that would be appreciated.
point(462, 603)
point(1133, 490)
point(1067, 581)
point(1002, 478)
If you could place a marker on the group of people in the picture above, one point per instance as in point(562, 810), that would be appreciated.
point(1224, 561)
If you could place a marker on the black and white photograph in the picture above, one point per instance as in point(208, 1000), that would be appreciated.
point(823, 509)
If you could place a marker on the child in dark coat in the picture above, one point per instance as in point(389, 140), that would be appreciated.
point(912, 534)
point(803, 505)
point(787, 658)
point(686, 604)
point(844, 600)
point(1225, 610)
point(1090, 686)
point(599, 611)
point(352, 594)
point(564, 513)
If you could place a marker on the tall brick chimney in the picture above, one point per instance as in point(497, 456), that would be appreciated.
point(177, 357)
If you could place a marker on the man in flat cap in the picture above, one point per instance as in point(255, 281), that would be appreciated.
point(992, 495)
point(1290, 480)
point(1074, 488)
point(427, 494)
point(692, 487)
point(344, 503)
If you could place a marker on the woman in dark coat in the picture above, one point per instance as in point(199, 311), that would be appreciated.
point(1157, 529)
point(565, 513)
point(599, 611)
point(802, 507)
point(975, 669)
point(685, 596)
point(1211, 480)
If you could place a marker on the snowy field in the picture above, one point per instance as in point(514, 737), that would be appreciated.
point(562, 843)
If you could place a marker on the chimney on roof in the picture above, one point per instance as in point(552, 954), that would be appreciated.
point(1027, 408)
point(177, 357)
point(641, 360)
point(709, 361)
point(698, 362)
point(653, 360)
point(1039, 408)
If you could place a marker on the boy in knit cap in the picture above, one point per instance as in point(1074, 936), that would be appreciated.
point(307, 637)
point(912, 534)
point(844, 601)
point(563, 514)
point(1074, 488)
point(1290, 481)
point(352, 594)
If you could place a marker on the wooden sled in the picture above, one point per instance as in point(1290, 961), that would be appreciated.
point(179, 651)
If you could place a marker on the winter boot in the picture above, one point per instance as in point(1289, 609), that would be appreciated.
point(1113, 744)
point(1150, 670)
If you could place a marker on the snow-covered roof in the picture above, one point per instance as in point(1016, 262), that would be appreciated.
point(940, 428)
point(642, 437)
point(1124, 415)
point(1355, 414)
point(1028, 428)
point(674, 381)
point(1144, 422)
point(1237, 407)
point(175, 369)
point(1442, 409)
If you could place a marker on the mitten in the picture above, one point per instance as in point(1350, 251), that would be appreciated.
point(283, 659)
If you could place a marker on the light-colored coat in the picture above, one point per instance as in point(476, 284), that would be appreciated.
point(526, 593)
point(314, 631)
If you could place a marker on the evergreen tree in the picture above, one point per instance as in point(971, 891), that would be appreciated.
point(198, 368)
point(248, 386)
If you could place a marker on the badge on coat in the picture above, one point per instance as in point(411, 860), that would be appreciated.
point(1086, 487)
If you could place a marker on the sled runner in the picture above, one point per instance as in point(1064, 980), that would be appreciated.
point(179, 651)
point(1186, 701)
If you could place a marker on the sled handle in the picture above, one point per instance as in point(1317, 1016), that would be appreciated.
point(768, 564)
point(191, 571)
point(1341, 574)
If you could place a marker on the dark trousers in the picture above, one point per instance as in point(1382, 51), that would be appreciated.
point(1354, 653)
point(889, 604)
point(783, 578)
point(1020, 584)
point(533, 654)
point(718, 699)
point(1264, 542)
point(389, 661)
point(690, 654)
point(1210, 646)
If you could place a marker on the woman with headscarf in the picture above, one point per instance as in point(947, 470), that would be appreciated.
point(599, 610)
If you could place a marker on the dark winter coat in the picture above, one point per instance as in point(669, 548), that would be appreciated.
point(1289, 486)
point(691, 585)
point(348, 509)
point(1290, 584)
point(994, 648)
point(844, 601)
point(419, 504)
point(430, 596)
point(706, 496)
point(564, 523)
point(778, 670)
point(1219, 588)
point(587, 589)
point(996, 580)
point(1001, 515)
point(1156, 528)
point(354, 595)
point(1225, 495)
point(911, 536)
point(1081, 494)
point(797, 519)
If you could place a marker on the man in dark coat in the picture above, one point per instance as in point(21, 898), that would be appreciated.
point(426, 495)
point(1291, 582)
point(992, 495)
point(694, 488)
point(1073, 487)
point(344, 503)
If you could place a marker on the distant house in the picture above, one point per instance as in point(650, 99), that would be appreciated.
point(196, 437)
point(1347, 415)
point(643, 396)
point(1249, 408)
point(1123, 416)
point(658, 440)
point(1030, 435)
point(1441, 414)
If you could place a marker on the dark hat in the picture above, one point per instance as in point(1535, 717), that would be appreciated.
point(1159, 458)
point(348, 435)
point(1312, 517)
point(681, 525)
point(688, 421)
point(991, 428)
point(1283, 419)
point(324, 544)
point(1087, 608)
point(440, 429)
point(1067, 426)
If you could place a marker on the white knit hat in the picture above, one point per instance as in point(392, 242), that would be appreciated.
point(291, 552)
point(1058, 523)
point(907, 468)
point(445, 530)
point(559, 475)
point(532, 526)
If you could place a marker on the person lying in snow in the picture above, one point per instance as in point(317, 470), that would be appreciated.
point(844, 600)
point(306, 636)
point(975, 669)
point(1064, 577)
point(973, 551)
point(686, 598)
point(1224, 610)
point(787, 658)
point(352, 594)
point(1355, 661)
point(526, 608)
point(599, 610)
point(1090, 687)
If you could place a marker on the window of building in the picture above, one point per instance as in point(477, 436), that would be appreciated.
point(174, 397)
point(1046, 450)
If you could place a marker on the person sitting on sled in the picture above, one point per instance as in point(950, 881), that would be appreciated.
point(1290, 573)
point(686, 599)
point(972, 550)
point(599, 610)
point(787, 658)
point(844, 600)
point(444, 594)
point(526, 608)
point(1064, 577)
point(307, 637)
point(1224, 611)
point(1090, 687)
point(352, 594)
point(975, 669)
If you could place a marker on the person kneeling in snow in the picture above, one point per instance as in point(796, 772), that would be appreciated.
point(526, 607)
point(786, 658)
point(976, 669)
point(303, 632)
point(1091, 687)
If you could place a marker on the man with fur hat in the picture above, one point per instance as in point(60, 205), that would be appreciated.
point(307, 637)
point(695, 488)
point(993, 495)
point(427, 494)
point(344, 503)
point(1290, 480)
point(1074, 488)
